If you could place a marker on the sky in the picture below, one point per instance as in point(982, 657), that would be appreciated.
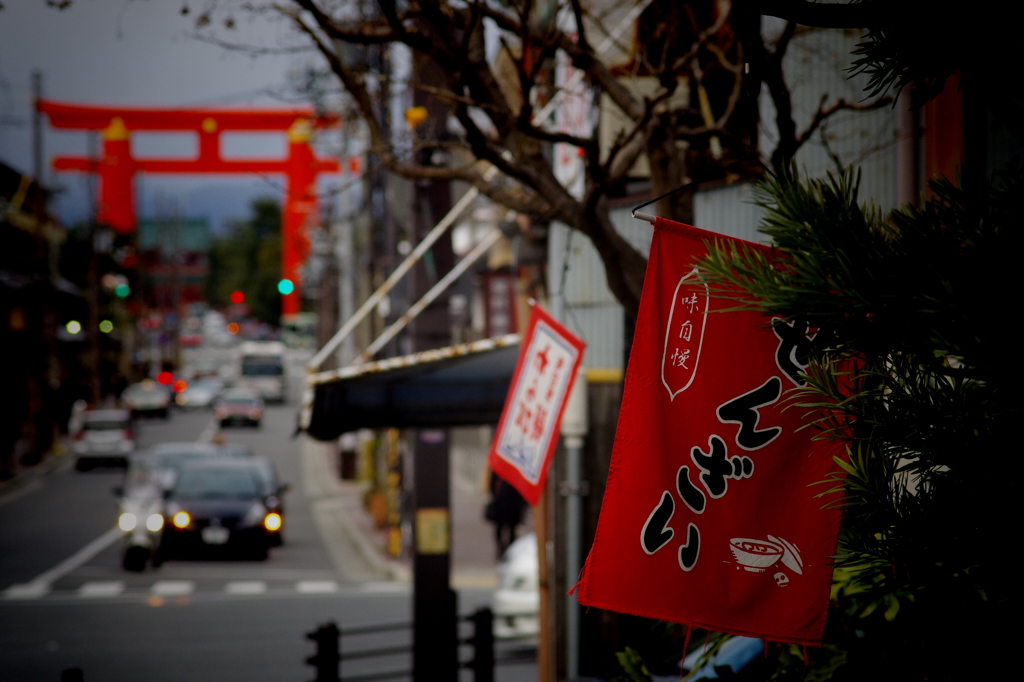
point(142, 53)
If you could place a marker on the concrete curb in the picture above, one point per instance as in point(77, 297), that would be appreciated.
point(334, 503)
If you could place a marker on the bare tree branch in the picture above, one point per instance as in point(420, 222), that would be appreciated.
point(823, 113)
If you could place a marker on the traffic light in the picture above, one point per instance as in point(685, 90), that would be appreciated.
point(237, 297)
point(122, 290)
point(328, 653)
point(285, 287)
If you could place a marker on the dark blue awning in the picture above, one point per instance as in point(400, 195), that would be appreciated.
point(461, 385)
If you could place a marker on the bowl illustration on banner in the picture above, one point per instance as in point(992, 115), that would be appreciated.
point(790, 555)
point(755, 555)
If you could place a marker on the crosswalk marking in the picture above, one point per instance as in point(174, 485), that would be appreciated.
point(246, 587)
point(106, 588)
point(183, 588)
point(172, 588)
point(316, 586)
point(27, 591)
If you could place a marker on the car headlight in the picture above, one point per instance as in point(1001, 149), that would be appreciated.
point(272, 521)
point(181, 519)
point(127, 521)
point(255, 414)
point(221, 413)
point(155, 522)
point(254, 516)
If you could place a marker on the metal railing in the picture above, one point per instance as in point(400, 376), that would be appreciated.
point(330, 654)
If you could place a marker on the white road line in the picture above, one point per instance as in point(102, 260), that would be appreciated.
point(384, 588)
point(106, 588)
point(208, 433)
point(27, 591)
point(40, 585)
point(172, 588)
point(316, 586)
point(246, 587)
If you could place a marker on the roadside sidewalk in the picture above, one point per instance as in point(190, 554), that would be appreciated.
point(353, 539)
point(27, 479)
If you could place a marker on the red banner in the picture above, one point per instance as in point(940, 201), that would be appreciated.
point(708, 518)
point(528, 430)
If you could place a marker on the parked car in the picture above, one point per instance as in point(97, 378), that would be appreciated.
point(218, 504)
point(517, 599)
point(147, 398)
point(200, 393)
point(105, 437)
point(140, 514)
point(239, 405)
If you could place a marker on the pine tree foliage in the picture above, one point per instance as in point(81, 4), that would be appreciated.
point(913, 366)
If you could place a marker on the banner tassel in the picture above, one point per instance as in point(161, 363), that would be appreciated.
point(807, 661)
point(686, 647)
point(707, 639)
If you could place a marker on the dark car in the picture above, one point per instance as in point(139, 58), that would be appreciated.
point(167, 459)
point(239, 405)
point(218, 504)
point(273, 491)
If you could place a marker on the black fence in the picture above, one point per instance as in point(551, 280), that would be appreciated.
point(332, 651)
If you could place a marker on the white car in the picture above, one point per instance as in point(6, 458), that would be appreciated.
point(105, 437)
point(517, 599)
point(200, 393)
point(147, 397)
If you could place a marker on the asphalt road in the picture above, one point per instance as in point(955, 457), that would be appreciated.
point(205, 619)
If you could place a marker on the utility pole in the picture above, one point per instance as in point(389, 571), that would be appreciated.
point(37, 127)
point(93, 285)
point(435, 611)
point(574, 428)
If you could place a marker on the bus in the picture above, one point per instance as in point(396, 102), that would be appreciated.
point(262, 368)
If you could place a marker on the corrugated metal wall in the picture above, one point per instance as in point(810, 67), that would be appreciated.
point(730, 211)
point(816, 64)
point(586, 306)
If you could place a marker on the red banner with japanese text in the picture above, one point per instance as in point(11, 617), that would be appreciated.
point(709, 518)
point(527, 433)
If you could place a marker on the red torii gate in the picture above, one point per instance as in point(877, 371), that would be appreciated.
point(116, 167)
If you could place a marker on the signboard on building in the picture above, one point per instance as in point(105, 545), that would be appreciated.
point(549, 358)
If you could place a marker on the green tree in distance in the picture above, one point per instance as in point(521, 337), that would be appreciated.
point(248, 259)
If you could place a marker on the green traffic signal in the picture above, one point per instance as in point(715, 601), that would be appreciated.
point(285, 287)
point(122, 290)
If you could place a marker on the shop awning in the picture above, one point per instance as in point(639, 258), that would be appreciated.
point(462, 385)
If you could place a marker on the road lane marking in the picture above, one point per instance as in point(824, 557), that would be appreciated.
point(172, 588)
point(105, 588)
point(316, 586)
point(208, 433)
point(27, 591)
point(41, 584)
point(246, 587)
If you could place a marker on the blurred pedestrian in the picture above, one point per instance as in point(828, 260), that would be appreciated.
point(505, 511)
